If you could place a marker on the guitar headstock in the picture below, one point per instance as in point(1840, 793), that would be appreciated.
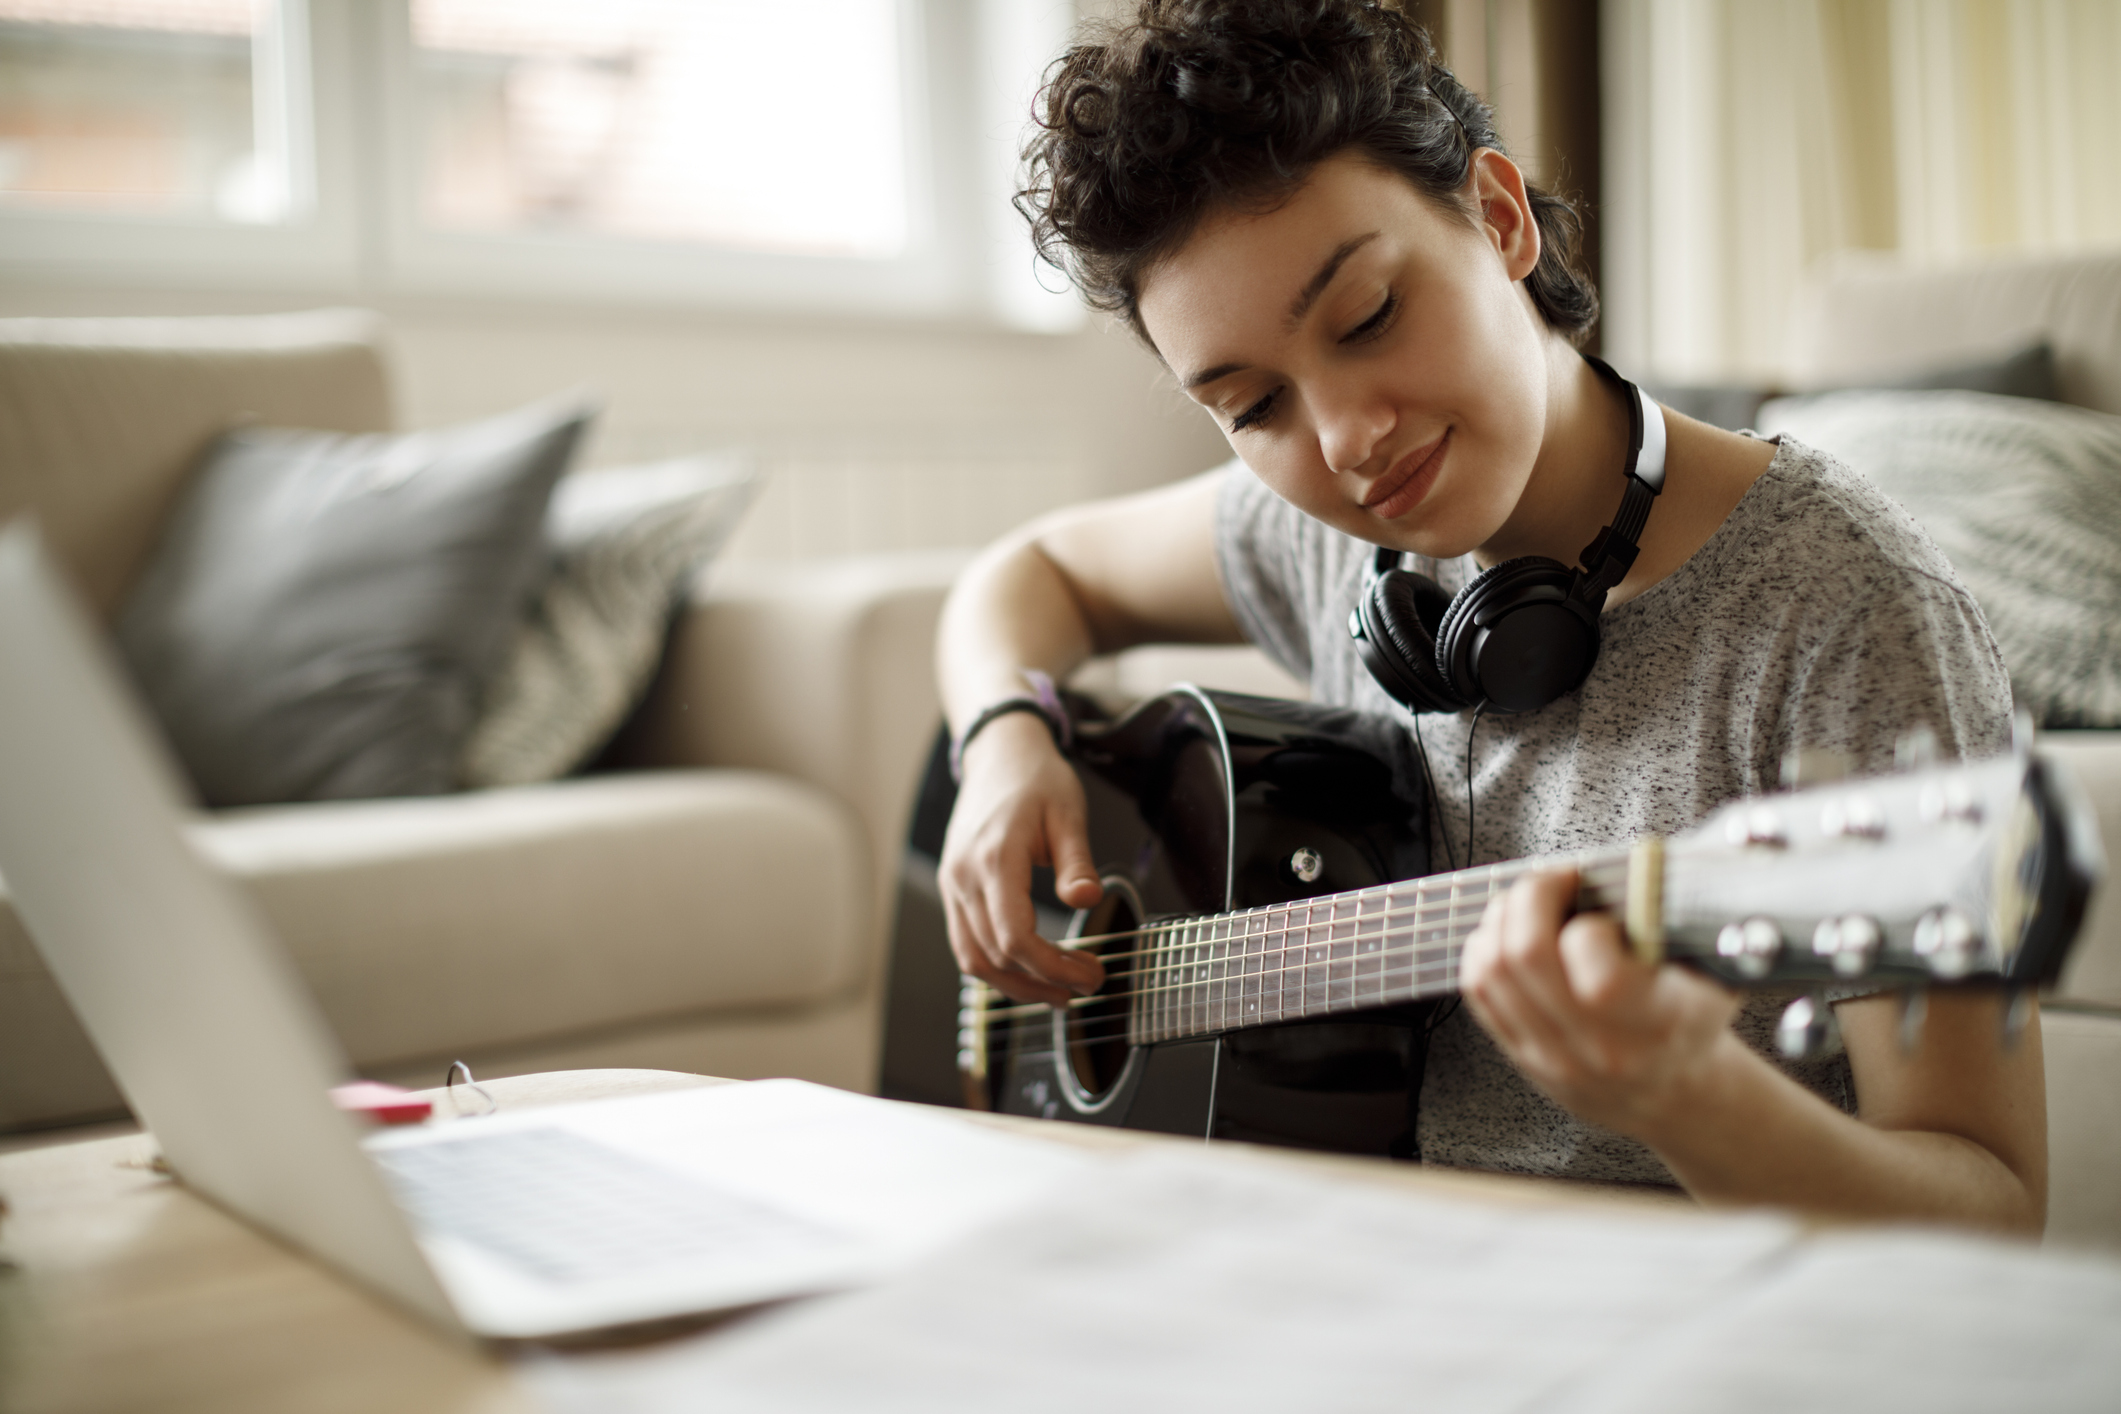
point(1972, 872)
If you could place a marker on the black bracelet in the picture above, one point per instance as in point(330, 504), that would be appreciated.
point(1000, 709)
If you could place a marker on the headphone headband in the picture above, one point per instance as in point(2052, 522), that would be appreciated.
point(1611, 553)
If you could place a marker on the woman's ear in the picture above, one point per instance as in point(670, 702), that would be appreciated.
point(1505, 211)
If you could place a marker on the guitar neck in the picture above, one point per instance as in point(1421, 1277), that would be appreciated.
point(1373, 947)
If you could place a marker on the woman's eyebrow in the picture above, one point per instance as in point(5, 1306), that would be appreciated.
point(1307, 297)
point(1325, 275)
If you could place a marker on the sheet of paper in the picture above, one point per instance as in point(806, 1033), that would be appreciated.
point(1168, 1281)
point(1883, 1321)
point(906, 1178)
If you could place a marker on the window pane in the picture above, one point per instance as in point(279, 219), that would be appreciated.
point(766, 126)
point(135, 106)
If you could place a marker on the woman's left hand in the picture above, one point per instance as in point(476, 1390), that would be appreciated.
point(1616, 1042)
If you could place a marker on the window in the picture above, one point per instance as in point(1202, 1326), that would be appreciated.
point(841, 155)
point(556, 115)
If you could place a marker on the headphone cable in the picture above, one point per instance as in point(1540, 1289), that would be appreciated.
point(1470, 730)
point(1428, 780)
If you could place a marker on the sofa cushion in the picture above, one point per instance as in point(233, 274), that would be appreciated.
point(625, 543)
point(2025, 497)
point(434, 925)
point(570, 912)
point(2027, 372)
point(322, 613)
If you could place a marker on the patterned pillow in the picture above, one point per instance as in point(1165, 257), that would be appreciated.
point(2025, 497)
point(624, 545)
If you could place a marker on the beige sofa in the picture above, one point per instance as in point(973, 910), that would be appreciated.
point(718, 905)
point(1866, 318)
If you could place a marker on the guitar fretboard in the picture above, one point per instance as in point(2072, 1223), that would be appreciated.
point(1380, 946)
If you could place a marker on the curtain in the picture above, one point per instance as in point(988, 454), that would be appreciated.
point(1536, 62)
point(1746, 141)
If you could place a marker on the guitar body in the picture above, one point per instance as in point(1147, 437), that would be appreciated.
point(1274, 938)
point(1201, 802)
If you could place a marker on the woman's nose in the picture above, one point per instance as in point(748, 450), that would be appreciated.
point(1352, 425)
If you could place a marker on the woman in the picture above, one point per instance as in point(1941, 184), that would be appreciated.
point(1317, 230)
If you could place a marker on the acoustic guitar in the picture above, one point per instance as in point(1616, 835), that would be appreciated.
point(1276, 945)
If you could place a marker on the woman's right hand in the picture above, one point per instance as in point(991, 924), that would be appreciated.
point(1019, 805)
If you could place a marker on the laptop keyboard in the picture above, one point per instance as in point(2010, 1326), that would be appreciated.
point(570, 1209)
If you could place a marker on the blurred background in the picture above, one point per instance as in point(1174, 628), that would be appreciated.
point(786, 225)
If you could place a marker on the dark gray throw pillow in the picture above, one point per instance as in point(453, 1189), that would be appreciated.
point(2024, 373)
point(323, 610)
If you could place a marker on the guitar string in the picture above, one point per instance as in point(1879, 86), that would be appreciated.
point(1597, 876)
point(1075, 1039)
point(1425, 914)
point(1605, 865)
point(1406, 959)
point(1398, 965)
point(1393, 953)
point(1313, 999)
point(1080, 1034)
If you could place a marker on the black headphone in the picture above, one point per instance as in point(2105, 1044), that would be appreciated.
point(1523, 632)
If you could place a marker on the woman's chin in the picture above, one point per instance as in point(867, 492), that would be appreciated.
point(1430, 531)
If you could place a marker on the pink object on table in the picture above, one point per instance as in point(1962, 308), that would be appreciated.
point(386, 1104)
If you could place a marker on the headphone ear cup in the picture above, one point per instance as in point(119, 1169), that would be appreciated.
point(1400, 613)
point(1515, 639)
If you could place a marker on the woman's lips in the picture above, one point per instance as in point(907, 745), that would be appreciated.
point(1400, 490)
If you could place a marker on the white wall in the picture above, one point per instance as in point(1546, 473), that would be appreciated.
point(875, 435)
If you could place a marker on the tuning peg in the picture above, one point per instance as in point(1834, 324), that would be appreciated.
point(1751, 947)
point(2017, 1013)
point(1916, 749)
point(1947, 940)
point(1807, 1030)
point(1804, 766)
point(1914, 1010)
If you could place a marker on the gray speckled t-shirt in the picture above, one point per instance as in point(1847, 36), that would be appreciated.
point(1817, 615)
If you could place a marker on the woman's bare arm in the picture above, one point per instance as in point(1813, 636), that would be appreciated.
point(1953, 1131)
point(1091, 579)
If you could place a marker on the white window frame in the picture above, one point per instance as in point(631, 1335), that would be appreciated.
point(360, 234)
point(317, 245)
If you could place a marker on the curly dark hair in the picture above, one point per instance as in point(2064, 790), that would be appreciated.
point(1145, 128)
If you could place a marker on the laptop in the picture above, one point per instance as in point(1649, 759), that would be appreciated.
point(536, 1224)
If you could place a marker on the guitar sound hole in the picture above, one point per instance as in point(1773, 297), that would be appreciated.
point(1096, 1027)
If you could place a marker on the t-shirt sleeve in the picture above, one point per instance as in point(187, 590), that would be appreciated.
point(1258, 553)
point(1921, 656)
point(1915, 652)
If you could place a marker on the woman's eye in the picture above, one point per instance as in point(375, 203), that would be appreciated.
point(1256, 414)
point(1376, 324)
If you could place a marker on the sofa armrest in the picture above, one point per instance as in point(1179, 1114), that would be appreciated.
point(2094, 972)
point(821, 670)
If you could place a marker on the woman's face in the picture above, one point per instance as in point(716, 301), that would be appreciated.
point(1371, 356)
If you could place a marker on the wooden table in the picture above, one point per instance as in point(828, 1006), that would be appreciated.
point(121, 1290)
